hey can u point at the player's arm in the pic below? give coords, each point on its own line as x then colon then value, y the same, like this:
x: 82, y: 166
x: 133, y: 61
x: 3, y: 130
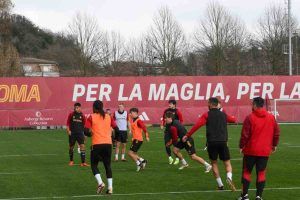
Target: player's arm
x: 128, y: 123
x: 201, y: 122
x: 88, y: 126
x: 276, y: 135
x: 141, y: 125
x: 246, y: 133
x: 180, y: 116
x: 174, y: 133
x: 163, y: 122
x: 69, y: 124
x: 230, y: 118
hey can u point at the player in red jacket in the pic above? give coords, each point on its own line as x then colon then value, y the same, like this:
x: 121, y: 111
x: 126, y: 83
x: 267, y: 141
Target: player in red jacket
x: 259, y: 138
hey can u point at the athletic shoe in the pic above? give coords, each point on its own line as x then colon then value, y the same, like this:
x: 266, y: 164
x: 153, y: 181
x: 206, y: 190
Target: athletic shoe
x: 143, y: 164
x: 171, y: 160
x: 220, y: 188
x: 124, y: 160
x: 116, y: 160
x: 139, y: 167
x: 84, y: 165
x: 183, y: 166
x: 71, y: 163
x: 176, y: 162
x: 245, y: 197
x: 258, y: 198
x: 208, y: 168
x: 231, y: 184
x: 109, y: 191
x: 100, y: 188
x: 78, y: 150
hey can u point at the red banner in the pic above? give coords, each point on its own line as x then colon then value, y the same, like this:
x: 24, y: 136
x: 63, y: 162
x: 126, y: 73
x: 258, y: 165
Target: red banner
x: 47, y: 101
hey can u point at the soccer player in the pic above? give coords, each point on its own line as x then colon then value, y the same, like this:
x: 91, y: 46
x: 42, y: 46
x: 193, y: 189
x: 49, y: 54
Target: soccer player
x: 122, y: 120
x: 167, y: 137
x: 99, y: 125
x: 108, y: 111
x: 75, y: 130
x: 259, y: 138
x: 137, y: 129
x: 217, y: 139
x: 177, y: 132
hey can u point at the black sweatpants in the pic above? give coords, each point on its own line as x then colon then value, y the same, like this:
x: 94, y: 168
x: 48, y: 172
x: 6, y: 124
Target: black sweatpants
x: 101, y: 153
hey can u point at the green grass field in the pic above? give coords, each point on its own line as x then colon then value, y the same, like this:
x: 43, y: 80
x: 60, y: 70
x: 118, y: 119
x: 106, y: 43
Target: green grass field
x: 34, y: 165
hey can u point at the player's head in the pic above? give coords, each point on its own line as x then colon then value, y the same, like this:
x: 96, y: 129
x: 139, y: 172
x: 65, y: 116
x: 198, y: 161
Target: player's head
x: 134, y: 112
x: 77, y: 107
x: 172, y: 104
x: 121, y: 107
x: 258, y: 102
x: 213, y: 102
x: 98, y: 107
x: 108, y: 111
x: 169, y: 116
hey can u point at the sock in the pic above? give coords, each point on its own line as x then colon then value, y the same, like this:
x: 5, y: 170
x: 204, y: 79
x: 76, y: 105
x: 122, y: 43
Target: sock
x: 123, y: 156
x: 138, y: 163
x: 110, y: 182
x: 219, y: 181
x: 116, y: 156
x: 98, y: 178
x: 177, y: 158
x: 141, y: 160
x: 229, y: 175
x: 82, y: 155
x: 260, y: 188
x: 206, y: 164
x: 183, y: 162
x: 71, y: 154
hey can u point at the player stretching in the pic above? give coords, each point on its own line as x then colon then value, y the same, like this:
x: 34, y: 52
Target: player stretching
x: 178, y: 131
x: 121, y: 118
x: 99, y: 126
x: 75, y: 130
x: 137, y: 129
x: 167, y: 137
x: 217, y: 138
x: 259, y: 138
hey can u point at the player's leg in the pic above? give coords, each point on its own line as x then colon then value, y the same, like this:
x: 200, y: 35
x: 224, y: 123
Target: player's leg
x: 95, y: 158
x: 213, y: 156
x: 224, y: 154
x: 261, y: 166
x: 176, y: 151
x: 72, y: 142
x: 124, y: 142
x: 106, y: 155
x: 167, y: 138
x: 118, y: 143
x: 80, y: 141
x: 248, y: 164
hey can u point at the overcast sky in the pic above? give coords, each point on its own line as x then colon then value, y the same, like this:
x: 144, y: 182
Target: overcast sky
x: 133, y: 17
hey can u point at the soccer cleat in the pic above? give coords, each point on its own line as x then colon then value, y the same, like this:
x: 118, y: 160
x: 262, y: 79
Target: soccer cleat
x: 71, y: 163
x: 171, y: 160
x: 78, y: 150
x: 245, y: 197
x: 100, y: 188
x: 109, y: 191
x: 176, y: 162
x: 258, y: 198
x: 208, y: 168
x: 220, y: 188
x: 231, y: 184
x: 143, y: 164
x: 183, y: 166
x: 84, y: 165
x: 138, y: 167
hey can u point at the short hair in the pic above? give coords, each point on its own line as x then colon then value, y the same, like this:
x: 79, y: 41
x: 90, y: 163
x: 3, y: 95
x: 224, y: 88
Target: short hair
x: 134, y: 110
x: 169, y: 114
x: 77, y: 104
x: 107, y: 109
x: 172, y: 102
x: 259, y: 102
x: 121, y: 104
x: 214, y: 101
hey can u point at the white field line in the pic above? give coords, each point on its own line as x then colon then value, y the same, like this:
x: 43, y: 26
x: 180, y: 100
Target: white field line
x: 143, y: 193
x: 27, y: 155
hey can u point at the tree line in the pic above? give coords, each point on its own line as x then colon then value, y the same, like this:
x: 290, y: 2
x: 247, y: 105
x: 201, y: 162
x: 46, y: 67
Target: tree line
x: 221, y: 44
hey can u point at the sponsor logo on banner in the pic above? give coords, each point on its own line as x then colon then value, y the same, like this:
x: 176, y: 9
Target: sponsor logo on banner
x: 38, y: 120
x: 144, y: 117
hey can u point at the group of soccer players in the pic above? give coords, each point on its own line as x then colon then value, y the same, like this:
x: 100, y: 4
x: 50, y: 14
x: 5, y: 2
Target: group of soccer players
x: 101, y: 124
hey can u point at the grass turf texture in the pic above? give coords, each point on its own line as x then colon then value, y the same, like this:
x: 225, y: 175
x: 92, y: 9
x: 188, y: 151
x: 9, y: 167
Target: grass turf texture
x: 25, y: 172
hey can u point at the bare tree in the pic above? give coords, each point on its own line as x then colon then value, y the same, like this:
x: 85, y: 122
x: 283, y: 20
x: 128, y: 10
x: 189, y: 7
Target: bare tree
x: 166, y: 36
x: 217, y: 33
x: 272, y: 34
x: 88, y: 36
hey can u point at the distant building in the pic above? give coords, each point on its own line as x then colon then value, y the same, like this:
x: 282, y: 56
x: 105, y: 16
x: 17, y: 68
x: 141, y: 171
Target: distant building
x: 39, y: 67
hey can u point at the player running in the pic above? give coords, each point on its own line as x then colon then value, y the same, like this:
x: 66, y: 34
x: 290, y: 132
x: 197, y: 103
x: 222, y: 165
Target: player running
x: 121, y: 118
x: 178, y: 131
x: 137, y: 129
x: 217, y: 139
x: 75, y: 130
x: 167, y: 137
x: 259, y: 138
x: 99, y: 126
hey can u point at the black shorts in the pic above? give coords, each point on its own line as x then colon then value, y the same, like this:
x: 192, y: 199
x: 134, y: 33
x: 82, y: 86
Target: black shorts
x: 76, y: 137
x: 121, y: 136
x: 259, y: 161
x: 101, y: 152
x: 218, y: 149
x: 188, y: 145
x: 136, y: 145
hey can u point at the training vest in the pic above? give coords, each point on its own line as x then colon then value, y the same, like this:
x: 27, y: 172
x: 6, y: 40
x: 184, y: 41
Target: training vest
x: 137, y: 132
x: 181, y: 131
x: 77, y: 123
x: 121, y: 120
x: 101, y: 129
x: 216, y: 126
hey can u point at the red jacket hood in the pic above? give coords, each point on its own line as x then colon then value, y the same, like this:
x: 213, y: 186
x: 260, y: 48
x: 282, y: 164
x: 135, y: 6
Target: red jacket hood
x: 261, y: 112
